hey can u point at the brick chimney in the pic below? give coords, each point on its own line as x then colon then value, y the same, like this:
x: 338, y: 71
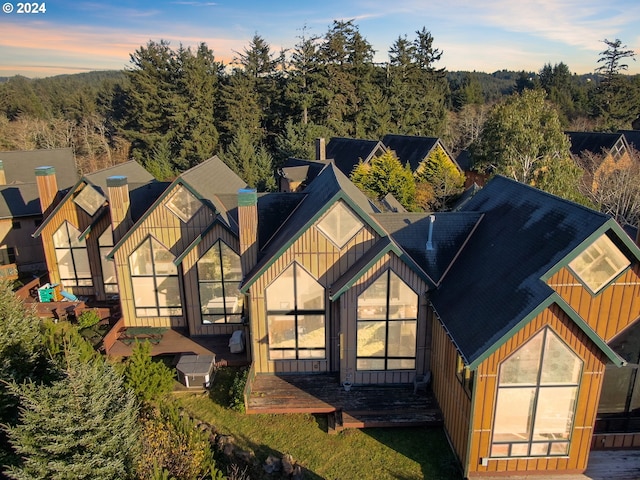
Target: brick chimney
x: 119, y: 205
x: 248, y: 222
x: 321, y: 149
x: 47, y: 187
x: 3, y: 177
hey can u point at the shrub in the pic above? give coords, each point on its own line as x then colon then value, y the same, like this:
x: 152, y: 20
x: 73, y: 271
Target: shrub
x: 149, y: 379
x: 88, y: 319
x: 236, y: 391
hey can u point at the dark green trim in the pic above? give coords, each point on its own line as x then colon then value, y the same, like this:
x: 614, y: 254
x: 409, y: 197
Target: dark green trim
x: 571, y: 313
x: 340, y: 195
x: 247, y: 197
x: 44, y: 171
x: 117, y: 181
x: 200, y: 238
x: 156, y: 203
x: 56, y: 209
x: 390, y: 247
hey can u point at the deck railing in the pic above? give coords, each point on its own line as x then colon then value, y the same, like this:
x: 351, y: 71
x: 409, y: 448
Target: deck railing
x: 112, y: 336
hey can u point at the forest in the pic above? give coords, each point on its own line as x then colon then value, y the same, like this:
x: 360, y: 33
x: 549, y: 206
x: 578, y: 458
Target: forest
x: 174, y: 107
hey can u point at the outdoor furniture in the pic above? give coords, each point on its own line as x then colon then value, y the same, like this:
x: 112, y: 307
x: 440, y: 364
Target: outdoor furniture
x: 194, y: 371
x: 421, y: 382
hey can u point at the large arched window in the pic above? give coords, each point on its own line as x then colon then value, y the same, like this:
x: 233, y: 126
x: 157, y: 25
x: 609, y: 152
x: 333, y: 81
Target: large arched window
x: 219, y: 275
x: 296, y: 316
x: 156, y: 289
x: 72, y: 257
x: 387, y: 322
x: 537, y: 394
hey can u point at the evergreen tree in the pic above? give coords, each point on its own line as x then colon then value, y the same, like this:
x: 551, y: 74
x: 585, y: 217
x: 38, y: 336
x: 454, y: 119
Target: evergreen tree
x: 385, y: 174
x: 442, y: 176
x: 82, y: 426
x: 147, y: 378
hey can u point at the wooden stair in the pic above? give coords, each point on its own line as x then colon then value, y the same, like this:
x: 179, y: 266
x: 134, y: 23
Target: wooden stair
x: 341, y: 420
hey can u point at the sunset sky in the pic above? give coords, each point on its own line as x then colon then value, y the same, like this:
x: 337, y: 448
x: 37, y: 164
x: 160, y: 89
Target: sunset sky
x: 482, y: 35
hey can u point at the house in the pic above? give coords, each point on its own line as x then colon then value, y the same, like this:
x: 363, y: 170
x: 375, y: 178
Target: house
x: 77, y: 229
x: 414, y: 150
x: 517, y: 298
x: 610, y: 149
x: 346, y: 153
x: 20, y: 209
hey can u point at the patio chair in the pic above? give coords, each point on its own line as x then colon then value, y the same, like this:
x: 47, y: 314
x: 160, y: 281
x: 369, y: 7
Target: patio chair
x: 421, y: 382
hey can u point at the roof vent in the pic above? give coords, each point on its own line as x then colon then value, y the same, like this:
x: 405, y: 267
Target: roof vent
x: 432, y: 218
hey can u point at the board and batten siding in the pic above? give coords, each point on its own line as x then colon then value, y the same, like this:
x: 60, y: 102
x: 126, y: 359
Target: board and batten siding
x: 587, y: 404
x: 191, y: 304
x: 348, y: 330
x: 175, y: 235
x: 609, y: 312
x: 77, y: 217
x: 326, y: 263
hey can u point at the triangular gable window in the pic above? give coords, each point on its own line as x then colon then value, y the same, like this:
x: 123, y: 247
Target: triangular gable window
x: 183, y: 204
x: 599, y: 263
x: 340, y: 225
x: 90, y: 200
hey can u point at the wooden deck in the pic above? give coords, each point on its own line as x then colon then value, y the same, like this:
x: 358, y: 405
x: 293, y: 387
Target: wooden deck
x: 174, y: 342
x: 364, y: 406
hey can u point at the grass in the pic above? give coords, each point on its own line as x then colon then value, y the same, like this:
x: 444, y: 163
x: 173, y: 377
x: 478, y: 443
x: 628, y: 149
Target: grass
x: 376, y: 453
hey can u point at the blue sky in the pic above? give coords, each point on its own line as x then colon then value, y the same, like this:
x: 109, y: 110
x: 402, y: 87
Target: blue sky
x: 481, y: 35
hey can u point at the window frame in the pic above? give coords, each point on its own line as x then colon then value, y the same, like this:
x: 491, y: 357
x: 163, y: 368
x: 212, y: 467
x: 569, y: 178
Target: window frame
x: 332, y: 211
x: 82, y: 199
x: 224, y: 284
x: 291, y: 310
x: 387, y: 321
x: 110, y: 288
x: 76, y: 252
x: 185, y: 217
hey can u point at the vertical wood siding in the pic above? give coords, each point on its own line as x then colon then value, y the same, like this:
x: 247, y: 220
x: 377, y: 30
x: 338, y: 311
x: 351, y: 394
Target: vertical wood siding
x: 77, y: 217
x: 609, y: 312
x: 175, y: 235
x: 485, y: 397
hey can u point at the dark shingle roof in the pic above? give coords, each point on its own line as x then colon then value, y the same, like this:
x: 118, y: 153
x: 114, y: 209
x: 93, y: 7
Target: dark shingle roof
x: 135, y: 173
x: 312, y: 168
x: 410, y: 149
x: 594, y: 142
x: 496, y: 281
x: 19, y: 200
x: 633, y: 137
x: 411, y: 232
x: 212, y: 177
x: 347, y: 152
x: 273, y: 211
x: 142, y: 196
x: 19, y: 166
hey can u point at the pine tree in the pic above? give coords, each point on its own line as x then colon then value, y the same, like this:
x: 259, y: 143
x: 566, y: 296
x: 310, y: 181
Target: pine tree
x: 147, y: 378
x: 444, y: 178
x: 83, y: 426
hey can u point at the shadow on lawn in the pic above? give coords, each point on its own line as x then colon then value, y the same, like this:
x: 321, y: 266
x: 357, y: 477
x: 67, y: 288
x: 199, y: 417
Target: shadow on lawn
x: 426, y: 446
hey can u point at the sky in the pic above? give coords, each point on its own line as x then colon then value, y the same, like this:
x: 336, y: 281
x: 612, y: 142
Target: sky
x: 473, y: 35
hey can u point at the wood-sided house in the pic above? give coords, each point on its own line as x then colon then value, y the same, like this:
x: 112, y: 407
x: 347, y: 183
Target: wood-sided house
x: 77, y: 230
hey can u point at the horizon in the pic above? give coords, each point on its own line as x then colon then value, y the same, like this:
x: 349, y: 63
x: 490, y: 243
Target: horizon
x: 71, y: 37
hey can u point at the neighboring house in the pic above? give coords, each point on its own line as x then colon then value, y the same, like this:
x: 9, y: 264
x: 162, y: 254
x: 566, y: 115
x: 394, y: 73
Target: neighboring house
x: 632, y: 137
x: 296, y: 174
x: 346, y: 153
x: 77, y: 230
x: 20, y: 209
x: 611, y: 149
x: 415, y: 150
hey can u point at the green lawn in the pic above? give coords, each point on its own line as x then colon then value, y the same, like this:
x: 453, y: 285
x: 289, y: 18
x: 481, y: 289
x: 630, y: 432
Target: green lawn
x: 376, y: 454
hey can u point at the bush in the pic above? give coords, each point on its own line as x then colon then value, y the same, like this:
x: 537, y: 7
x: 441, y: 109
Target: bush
x: 236, y: 391
x: 88, y: 319
x: 149, y: 379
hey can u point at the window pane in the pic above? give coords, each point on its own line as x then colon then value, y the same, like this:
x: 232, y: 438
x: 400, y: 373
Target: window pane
x: 310, y: 294
x: 163, y: 259
x: 554, y: 413
x: 106, y: 239
x: 372, y: 303
x: 560, y: 364
x: 600, y: 263
x: 370, y: 364
x: 540, y: 449
x: 371, y: 339
x: 311, y: 331
x: 282, y: 333
x: 340, y: 224
x: 140, y: 260
x: 168, y: 291
x: 280, y: 294
x: 523, y: 365
x: 513, y: 424
x: 74, y: 233
x: 211, y: 299
x: 230, y: 263
x: 311, y: 354
x: 499, y: 450
x: 183, y: 204
x: 519, y: 449
x: 209, y: 267
x: 403, y: 302
x: 144, y: 291
x: 405, y: 364
x: 89, y: 199
x: 560, y: 448
x: 81, y: 260
x: 65, y: 264
x: 402, y: 339
x: 61, y: 237
x: 108, y: 267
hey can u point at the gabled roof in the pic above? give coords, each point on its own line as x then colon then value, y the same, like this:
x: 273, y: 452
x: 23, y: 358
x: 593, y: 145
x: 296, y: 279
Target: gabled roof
x: 294, y: 168
x: 348, y: 152
x: 328, y: 187
x: 141, y: 194
x: 594, y: 142
x: 496, y: 283
x: 411, y: 149
x: 19, y: 200
x: 633, y: 137
x: 450, y: 232
x: 213, y: 177
x: 20, y: 165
